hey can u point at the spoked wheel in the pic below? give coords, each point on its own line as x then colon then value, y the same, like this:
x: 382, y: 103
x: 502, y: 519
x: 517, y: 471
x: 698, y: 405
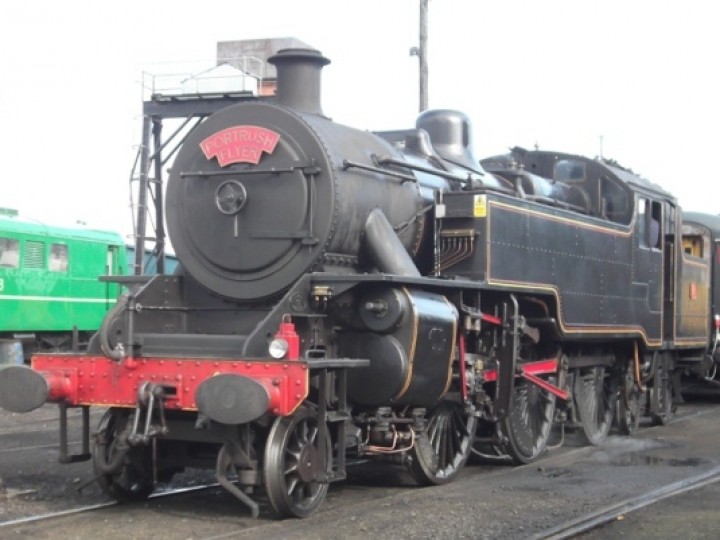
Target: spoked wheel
x: 529, y: 422
x: 124, y: 473
x: 594, y: 403
x: 442, y: 450
x: 295, y: 461
x: 629, y: 405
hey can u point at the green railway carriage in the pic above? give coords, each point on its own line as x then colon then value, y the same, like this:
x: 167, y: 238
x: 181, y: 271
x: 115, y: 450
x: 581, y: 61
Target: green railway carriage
x: 49, y: 281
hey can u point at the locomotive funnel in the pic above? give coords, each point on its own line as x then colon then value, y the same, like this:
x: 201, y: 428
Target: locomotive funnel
x: 298, y: 78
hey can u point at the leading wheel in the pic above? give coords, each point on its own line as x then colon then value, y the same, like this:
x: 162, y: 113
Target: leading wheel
x: 295, y: 465
x: 441, y: 451
x: 124, y: 473
x: 527, y: 427
x: 594, y: 399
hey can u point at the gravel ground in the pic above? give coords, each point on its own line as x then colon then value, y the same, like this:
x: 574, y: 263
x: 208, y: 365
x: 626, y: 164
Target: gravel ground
x: 691, y: 516
x: 486, y: 502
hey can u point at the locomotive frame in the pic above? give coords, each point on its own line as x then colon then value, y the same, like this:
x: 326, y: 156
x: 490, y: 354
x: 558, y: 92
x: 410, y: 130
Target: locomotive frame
x: 347, y: 295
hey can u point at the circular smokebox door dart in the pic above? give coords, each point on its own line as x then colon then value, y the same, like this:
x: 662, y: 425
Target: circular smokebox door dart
x: 230, y: 197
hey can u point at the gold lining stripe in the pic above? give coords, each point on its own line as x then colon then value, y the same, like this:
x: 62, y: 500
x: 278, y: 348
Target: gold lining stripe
x: 452, y: 348
x: 413, y: 345
x: 560, y: 219
x: 578, y: 329
x: 704, y: 265
x: 591, y: 329
x: 701, y: 265
x: 689, y: 341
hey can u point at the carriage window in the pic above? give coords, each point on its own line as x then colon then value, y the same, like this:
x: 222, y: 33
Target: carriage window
x: 58, y: 258
x: 9, y: 253
x: 693, y: 245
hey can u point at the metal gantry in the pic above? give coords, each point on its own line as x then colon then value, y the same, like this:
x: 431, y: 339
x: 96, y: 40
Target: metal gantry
x: 154, y: 154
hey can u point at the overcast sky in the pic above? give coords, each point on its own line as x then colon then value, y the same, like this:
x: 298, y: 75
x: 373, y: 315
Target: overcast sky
x: 641, y: 75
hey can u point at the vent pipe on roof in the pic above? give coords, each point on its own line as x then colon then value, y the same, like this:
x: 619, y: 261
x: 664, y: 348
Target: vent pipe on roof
x: 298, y: 78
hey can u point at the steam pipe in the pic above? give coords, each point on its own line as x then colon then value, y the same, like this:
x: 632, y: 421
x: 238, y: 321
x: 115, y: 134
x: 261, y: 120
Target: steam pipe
x: 385, y: 248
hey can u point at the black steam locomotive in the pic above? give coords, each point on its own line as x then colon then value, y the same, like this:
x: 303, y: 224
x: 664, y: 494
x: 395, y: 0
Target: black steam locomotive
x: 351, y: 295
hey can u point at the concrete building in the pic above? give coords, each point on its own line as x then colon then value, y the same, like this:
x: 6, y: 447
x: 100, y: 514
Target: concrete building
x: 250, y: 55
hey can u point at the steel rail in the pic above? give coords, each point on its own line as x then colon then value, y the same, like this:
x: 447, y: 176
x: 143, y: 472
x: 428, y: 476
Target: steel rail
x: 35, y: 447
x: 99, y: 506
x: 610, y: 513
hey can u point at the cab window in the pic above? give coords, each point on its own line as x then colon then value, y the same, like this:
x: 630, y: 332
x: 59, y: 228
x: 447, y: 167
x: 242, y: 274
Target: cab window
x: 649, y: 223
x: 569, y: 170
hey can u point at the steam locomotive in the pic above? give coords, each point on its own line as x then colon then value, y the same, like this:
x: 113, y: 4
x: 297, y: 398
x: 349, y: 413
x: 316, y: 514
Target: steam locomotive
x: 347, y: 295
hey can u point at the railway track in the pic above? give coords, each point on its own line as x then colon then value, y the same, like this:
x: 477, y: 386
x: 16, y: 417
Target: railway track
x: 495, y: 501
x: 610, y: 513
x: 570, y: 529
x: 99, y: 506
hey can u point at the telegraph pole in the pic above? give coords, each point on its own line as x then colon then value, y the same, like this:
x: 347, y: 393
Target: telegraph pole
x: 422, y: 55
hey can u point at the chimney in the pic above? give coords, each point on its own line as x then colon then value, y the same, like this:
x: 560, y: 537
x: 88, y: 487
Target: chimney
x: 298, y: 78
